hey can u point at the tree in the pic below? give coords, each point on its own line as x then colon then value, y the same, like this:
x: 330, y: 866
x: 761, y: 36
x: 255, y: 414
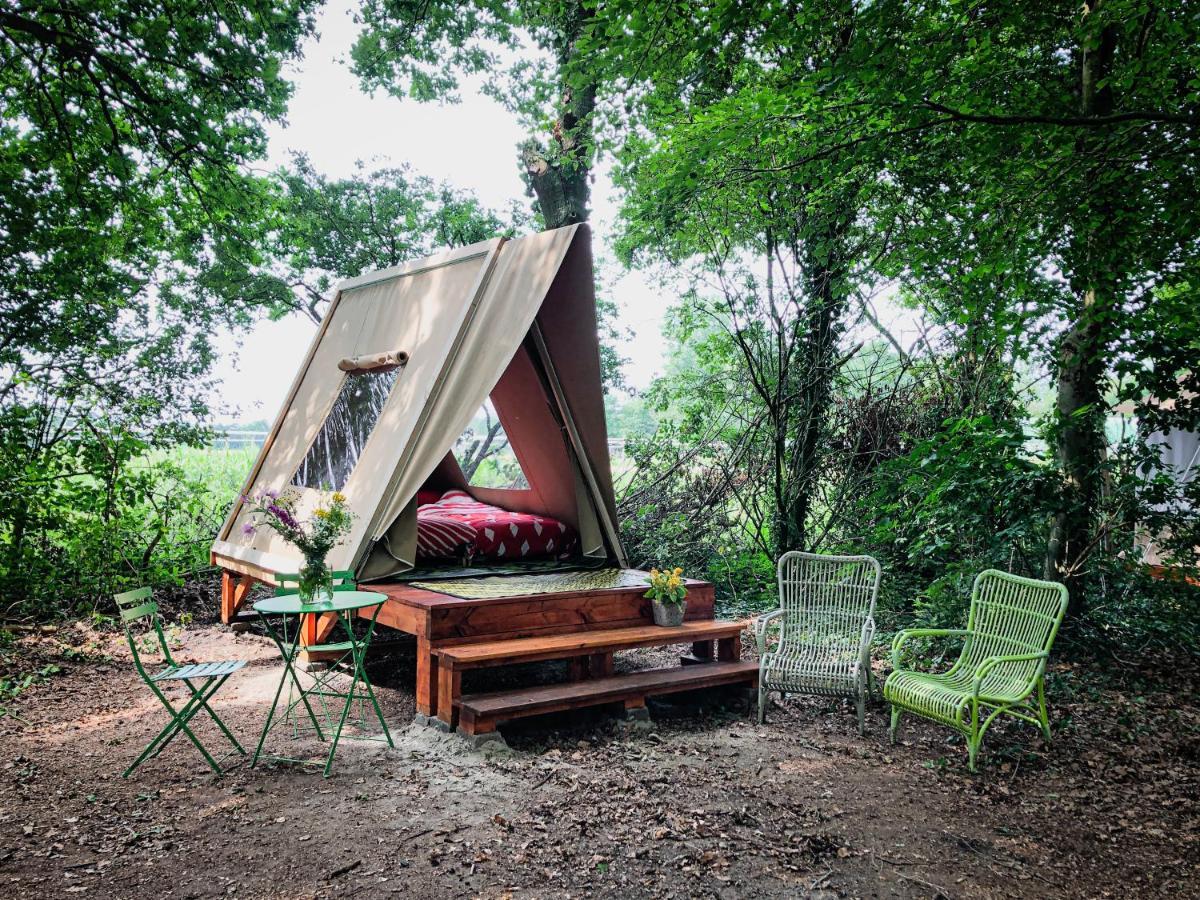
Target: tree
x: 126, y: 221
x: 422, y: 49
x: 331, y: 229
x: 1076, y: 130
x: 726, y: 108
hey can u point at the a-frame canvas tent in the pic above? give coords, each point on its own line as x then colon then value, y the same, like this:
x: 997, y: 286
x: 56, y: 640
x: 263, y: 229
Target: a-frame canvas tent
x: 433, y: 339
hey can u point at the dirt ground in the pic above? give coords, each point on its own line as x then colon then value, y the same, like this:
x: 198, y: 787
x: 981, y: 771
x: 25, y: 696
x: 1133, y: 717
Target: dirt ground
x: 706, y: 804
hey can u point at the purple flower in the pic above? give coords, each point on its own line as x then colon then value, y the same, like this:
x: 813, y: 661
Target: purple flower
x: 283, y: 516
x: 271, y: 493
x: 248, y: 528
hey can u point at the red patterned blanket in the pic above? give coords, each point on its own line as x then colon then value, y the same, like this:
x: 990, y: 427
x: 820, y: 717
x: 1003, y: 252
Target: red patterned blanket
x: 459, y: 526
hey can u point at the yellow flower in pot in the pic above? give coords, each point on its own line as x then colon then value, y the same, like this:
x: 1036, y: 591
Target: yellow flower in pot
x: 668, y: 596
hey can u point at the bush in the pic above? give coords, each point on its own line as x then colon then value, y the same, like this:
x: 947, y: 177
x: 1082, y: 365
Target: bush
x: 84, y: 521
x: 965, y: 499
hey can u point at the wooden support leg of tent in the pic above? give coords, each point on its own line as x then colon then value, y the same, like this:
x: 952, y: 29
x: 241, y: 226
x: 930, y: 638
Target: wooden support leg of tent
x: 427, y: 679
x: 235, y: 588
x: 315, y: 629
x: 449, y: 689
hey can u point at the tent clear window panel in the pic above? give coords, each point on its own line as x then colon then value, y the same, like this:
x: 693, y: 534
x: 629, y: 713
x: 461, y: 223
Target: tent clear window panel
x: 340, y: 442
x: 485, y: 455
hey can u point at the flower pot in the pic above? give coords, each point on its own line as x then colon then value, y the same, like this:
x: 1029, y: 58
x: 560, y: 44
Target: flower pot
x: 668, y: 615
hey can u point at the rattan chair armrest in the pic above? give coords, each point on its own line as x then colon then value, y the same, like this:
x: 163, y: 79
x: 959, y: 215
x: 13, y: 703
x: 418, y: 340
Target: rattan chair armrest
x: 760, y: 628
x: 991, y: 662
x: 900, y: 638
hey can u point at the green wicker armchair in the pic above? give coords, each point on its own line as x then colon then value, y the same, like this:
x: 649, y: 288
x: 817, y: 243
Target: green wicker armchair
x: 825, y: 619
x: 1009, y: 632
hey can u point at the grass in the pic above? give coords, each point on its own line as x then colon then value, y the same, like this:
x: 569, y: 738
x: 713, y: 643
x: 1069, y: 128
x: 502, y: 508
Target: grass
x: 220, y: 469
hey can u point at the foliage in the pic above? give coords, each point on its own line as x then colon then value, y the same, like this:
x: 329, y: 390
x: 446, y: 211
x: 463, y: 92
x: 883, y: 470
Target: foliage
x: 149, y: 519
x: 327, y: 229
x: 129, y: 234
x: 964, y: 499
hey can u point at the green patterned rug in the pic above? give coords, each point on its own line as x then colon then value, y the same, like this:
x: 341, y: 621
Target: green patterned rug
x: 519, y: 585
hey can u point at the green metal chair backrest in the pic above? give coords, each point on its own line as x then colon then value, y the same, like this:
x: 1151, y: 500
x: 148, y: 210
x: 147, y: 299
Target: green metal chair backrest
x: 136, y: 607
x: 1012, y: 616
x: 826, y: 599
x: 287, y: 583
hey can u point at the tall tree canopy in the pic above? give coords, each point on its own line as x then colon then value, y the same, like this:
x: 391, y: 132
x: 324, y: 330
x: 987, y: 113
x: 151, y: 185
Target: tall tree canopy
x: 128, y: 234
x: 1024, y: 169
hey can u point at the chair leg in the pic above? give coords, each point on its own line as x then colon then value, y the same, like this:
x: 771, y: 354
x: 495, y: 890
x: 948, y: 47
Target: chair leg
x: 975, y: 738
x: 973, y: 742
x: 1043, y: 717
x: 208, y: 709
x: 178, y: 723
x: 861, y: 702
x: 762, y: 703
x: 895, y: 726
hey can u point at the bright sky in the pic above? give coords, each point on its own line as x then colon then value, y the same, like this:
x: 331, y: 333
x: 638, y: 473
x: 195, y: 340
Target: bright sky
x: 473, y: 145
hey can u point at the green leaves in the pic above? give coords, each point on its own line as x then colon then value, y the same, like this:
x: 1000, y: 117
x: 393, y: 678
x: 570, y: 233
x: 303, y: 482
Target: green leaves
x: 325, y: 230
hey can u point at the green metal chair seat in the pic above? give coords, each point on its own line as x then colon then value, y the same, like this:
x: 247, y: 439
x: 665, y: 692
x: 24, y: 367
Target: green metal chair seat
x: 947, y: 697
x: 199, y: 670
x: 1010, y: 630
x: 334, y: 647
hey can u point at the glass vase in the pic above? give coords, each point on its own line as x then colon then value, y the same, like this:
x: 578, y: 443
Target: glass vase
x: 316, y: 581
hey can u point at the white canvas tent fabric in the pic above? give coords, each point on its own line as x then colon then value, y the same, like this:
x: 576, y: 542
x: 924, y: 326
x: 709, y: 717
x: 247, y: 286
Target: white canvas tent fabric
x: 463, y: 318
x: 1179, y: 456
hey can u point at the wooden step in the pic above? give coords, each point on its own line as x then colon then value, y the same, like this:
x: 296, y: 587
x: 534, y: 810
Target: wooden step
x: 480, y: 713
x: 562, y: 646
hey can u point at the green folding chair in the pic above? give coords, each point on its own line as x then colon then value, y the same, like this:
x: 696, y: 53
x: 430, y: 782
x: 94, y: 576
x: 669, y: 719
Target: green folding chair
x: 202, y: 680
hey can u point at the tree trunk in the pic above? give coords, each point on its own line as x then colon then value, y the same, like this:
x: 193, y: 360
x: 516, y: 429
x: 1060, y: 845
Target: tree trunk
x: 818, y: 367
x: 1080, y: 407
x: 558, y: 172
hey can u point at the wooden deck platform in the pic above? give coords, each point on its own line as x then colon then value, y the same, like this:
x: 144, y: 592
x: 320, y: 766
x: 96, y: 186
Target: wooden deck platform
x: 585, y: 626
x: 439, y: 620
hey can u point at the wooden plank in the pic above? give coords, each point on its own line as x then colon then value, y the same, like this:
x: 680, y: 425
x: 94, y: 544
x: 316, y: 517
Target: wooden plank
x: 235, y: 588
x: 585, y: 643
x: 698, y: 591
x: 577, y: 668
x: 449, y: 688
x: 729, y: 649
x: 427, y: 678
x: 549, y: 615
x: 503, y: 705
x: 314, y: 629
x: 600, y: 665
x: 403, y: 618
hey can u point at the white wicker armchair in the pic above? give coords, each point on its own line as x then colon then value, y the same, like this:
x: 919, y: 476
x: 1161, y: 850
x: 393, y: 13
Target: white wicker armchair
x: 826, y: 624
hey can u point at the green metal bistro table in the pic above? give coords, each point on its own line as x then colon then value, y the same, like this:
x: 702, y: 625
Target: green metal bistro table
x: 344, y: 605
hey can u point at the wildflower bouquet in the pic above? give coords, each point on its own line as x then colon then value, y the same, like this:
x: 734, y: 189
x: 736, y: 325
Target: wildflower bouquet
x: 330, y: 522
